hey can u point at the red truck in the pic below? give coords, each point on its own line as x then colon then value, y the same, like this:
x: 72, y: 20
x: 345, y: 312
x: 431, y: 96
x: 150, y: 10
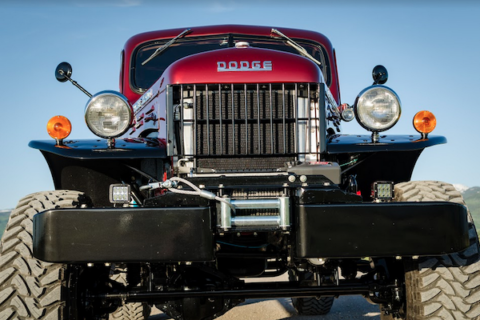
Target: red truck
x: 222, y: 158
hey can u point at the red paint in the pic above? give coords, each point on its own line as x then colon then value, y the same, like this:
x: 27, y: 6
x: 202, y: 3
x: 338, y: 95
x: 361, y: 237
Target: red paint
x: 194, y: 75
x: 203, y: 67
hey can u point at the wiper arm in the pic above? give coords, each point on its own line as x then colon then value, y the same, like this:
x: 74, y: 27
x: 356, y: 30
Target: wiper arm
x: 297, y: 47
x: 166, y: 45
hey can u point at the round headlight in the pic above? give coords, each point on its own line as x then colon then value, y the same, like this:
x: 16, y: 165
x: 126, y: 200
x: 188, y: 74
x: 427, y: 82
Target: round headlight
x: 377, y: 108
x: 108, y: 114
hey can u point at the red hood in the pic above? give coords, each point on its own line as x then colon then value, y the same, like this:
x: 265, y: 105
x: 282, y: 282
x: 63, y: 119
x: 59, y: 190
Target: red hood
x: 242, y: 65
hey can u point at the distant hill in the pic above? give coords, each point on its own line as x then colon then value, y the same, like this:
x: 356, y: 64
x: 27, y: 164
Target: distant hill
x: 4, y: 214
x: 472, y: 198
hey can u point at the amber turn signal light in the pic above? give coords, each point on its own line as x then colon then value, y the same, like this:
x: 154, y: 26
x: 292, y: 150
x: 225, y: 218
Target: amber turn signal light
x: 59, y: 127
x: 424, y: 122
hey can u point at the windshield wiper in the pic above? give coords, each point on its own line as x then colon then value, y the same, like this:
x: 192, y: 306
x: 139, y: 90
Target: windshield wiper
x: 166, y: 45
x: 297, y: 47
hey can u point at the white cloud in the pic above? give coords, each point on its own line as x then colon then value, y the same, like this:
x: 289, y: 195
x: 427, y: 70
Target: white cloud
x: 460, y: 187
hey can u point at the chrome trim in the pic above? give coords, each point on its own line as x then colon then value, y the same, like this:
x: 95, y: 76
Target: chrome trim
x: 143, y: 100
x: 223, y: 66
x: 302, y: 128
x: 256, y: 204
x: 225, y: 215
x: 323, y: 120
x: 331, y: 100
x: 284, y: 208
x: 261, y: 221
x: 170, y: 119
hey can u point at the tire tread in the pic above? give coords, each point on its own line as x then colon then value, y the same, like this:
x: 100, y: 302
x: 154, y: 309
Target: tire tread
x: 29, y: 288
x: 446, y: 287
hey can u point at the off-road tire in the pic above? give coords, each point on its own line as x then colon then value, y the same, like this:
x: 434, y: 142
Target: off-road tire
x: 30, y: 288
x: 312, y: 306
x: 446, y: 287
x: 131, y: 311
x: 128, y: 311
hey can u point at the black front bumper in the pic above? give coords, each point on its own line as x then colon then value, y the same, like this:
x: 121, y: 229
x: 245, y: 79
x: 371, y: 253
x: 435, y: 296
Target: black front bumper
x: 381, y: 229
x: 187, y: 234
x: 123, y: 235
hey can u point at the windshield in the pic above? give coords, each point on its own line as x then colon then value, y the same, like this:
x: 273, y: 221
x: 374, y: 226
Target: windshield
x: 143, y: 77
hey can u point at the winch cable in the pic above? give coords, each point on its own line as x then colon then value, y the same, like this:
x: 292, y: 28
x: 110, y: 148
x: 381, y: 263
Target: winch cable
x: 196, y: 190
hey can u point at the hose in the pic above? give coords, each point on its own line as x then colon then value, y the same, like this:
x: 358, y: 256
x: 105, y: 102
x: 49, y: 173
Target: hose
x: 197, y: 191
x: 202, y: 193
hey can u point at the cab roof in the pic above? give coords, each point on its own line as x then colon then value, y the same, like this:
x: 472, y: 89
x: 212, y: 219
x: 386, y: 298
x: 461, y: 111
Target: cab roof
x: 225, y: 29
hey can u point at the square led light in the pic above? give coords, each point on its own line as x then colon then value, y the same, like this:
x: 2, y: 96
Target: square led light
x: 382, y: 190
x: 119, y: 193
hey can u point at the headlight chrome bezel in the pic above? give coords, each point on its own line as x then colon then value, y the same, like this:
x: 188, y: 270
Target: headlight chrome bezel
x: 360, y: 116
x: 126, y: 104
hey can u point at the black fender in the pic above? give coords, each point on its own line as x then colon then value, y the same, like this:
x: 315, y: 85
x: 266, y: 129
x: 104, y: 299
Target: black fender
x: 137, y: 148
x: 363, y: 143
x: 90, y: 166
x: 393, y: 158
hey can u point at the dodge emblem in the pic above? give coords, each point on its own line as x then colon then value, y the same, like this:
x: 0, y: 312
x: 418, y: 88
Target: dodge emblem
x: 223, y: 66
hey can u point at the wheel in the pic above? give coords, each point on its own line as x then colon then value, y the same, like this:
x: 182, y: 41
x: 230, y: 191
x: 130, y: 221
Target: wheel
x: 30, y: 288
x: 34, y: 289
x: 128, y: 311
x: 312, y: 306
x: 446, y: 287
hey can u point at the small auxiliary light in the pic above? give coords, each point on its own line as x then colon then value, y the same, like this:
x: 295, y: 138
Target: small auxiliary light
x: 119, y: 193
x: 346, y: 112
x: 382, y: 190
x: 59, y: 127
x: 424, y: 122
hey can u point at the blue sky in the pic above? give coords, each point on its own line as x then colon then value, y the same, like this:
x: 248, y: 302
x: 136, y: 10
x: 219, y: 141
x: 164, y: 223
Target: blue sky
x: 431, y: 51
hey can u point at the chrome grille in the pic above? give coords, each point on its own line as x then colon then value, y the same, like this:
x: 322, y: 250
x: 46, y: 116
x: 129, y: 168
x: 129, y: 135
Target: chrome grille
x: 221, y: 122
